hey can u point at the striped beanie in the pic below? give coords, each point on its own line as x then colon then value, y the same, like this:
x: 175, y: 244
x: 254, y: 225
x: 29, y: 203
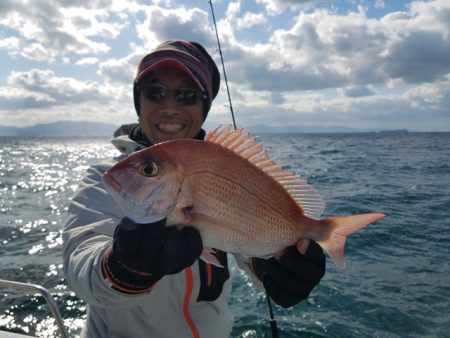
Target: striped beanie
x: 187, y: 56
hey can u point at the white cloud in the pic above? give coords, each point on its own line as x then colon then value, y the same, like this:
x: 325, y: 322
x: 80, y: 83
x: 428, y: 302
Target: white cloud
x: 40, y: 96
x: 180, y: 23
x: 379, y: 4
x: 233, y: 10
x: 250, y: 20
x: 274, y: 7
x: 85, y: 111
x: 357, y: 91
x: 46, y: 31
x: 10, y: 44
x: 20, y: 98
x: 87, y: 23
x: 327, y: 50
x: 243, y: 20
x: 311, y: 63
x: 120, y: 71
x: 430, y: 97
x: 43, y: 88
x: 87, y: 61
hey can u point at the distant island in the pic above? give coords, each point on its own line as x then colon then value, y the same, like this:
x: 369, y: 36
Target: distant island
x: 299, y: 129
x: 87, y: 128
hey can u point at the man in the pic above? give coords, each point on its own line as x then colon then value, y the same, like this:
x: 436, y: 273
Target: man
x: 146, y: 280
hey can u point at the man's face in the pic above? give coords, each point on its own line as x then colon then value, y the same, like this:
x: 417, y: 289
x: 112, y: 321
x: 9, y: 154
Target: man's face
x: 168, y: 119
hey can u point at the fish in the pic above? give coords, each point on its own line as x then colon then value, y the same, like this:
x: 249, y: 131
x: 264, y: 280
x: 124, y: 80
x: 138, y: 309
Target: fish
x: 229, y: 189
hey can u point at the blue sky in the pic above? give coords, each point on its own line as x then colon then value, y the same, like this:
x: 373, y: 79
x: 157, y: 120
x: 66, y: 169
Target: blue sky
x: 362, y: 64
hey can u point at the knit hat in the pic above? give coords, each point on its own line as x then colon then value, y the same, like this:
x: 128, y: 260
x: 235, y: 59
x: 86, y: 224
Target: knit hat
x: 187, y: 56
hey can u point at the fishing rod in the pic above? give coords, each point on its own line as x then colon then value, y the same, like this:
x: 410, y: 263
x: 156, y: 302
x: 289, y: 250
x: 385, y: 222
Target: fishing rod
x: 223, y: 64
x: 273, y: 322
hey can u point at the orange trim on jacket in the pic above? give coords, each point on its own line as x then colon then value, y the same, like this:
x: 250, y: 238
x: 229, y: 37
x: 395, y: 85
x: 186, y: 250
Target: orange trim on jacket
x: 187, y: 297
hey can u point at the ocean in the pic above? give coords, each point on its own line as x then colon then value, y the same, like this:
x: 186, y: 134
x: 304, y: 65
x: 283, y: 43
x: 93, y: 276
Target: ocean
x: 397, y: 279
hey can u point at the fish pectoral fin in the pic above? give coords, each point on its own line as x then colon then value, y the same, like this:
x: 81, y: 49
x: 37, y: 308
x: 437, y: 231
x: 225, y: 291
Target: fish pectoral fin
x: 208, y: 257
x: 180, y: 215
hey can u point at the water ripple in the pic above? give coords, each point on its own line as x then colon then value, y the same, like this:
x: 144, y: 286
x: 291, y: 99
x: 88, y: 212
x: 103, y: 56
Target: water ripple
x: 397, y: 279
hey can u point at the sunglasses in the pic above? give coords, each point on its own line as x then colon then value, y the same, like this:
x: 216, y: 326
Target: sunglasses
x: 159, y: 94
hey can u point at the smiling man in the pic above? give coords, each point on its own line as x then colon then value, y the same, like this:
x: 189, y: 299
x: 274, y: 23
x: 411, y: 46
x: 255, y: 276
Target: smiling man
x: 170, y: 106
x: 146, y: 280
x: 174, y: 89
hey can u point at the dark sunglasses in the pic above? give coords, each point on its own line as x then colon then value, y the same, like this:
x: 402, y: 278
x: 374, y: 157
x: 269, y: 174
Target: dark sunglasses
x: 159, y: 94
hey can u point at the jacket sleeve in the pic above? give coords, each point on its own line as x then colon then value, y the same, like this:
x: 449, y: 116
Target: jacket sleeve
x: 93, y: 216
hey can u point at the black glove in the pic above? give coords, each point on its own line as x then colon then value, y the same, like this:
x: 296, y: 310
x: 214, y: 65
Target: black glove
x: 291, y: 278
x: 142, y: 254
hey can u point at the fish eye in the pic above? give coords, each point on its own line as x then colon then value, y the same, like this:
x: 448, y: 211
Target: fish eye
x: 148, y: 169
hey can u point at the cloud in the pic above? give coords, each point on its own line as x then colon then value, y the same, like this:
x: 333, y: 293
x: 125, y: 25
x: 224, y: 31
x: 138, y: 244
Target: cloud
x: 424, y: 108
x: 421, y: 56
x: 358, y: 91
x: 45, y: 30
x: 165, y: 24
x: 120, y: 71
x: 379, y: 4
x: 18, y: 98
x: 83, y: 111
x: 310, y: 55
x: 87, y: 61
x: 274, y: 7
x: 324, y: 49
x: 308, y: 61
x: 42, y: 88
x: 433, y: 98
x: 251, y: 19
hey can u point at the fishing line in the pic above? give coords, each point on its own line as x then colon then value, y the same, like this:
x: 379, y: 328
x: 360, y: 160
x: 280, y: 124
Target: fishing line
x: 273, y: 322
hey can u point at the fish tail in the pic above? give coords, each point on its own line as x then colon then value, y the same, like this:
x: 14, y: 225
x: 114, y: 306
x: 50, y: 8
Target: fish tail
x: 338, y: 228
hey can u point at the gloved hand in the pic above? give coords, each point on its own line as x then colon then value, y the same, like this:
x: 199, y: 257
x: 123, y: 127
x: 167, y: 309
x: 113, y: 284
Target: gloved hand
x: 290, y: 279
x: 142, y: 254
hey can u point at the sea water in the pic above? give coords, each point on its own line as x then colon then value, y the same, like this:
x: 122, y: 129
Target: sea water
x: 397, y: 279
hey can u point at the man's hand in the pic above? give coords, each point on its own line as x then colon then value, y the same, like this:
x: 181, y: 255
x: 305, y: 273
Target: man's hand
x: 291, y: 277
x: 142, y: 254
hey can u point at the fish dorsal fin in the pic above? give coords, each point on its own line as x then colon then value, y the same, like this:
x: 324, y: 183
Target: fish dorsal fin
x: 246, y: 146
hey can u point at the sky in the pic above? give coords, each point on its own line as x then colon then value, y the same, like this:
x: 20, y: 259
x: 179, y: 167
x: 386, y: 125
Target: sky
x: 356, y: 63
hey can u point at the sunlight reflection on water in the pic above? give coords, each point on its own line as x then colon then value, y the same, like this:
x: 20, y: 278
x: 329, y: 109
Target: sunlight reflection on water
x: 38, y: 177
x: 391, y: 287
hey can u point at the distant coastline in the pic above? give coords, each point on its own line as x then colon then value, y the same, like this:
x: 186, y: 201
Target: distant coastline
x: 300, y: 129
x: 86, y: 128
x: 61, y: 128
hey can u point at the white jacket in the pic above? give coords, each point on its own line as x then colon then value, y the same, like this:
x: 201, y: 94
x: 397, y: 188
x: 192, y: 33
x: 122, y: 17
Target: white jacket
x: 170, y: 309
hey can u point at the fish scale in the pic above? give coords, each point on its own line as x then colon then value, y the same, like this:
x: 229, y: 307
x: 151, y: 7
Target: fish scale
x: 232, y: 192
x: 234, y: 203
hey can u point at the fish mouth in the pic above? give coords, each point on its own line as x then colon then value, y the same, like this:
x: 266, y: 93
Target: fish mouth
x: 111, y: 182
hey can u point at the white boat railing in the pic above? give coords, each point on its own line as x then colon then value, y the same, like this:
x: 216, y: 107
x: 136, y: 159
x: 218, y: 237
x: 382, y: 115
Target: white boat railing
x: 34, y: 288
x: 38, y: 289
